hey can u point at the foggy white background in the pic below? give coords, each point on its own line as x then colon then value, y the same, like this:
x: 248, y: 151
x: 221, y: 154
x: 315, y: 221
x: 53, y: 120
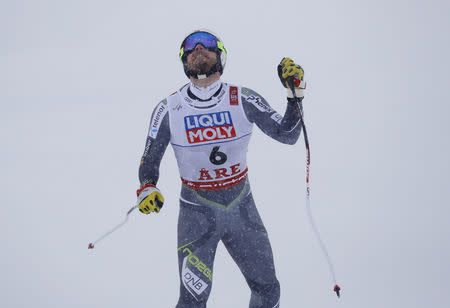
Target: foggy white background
x: 78, y: 83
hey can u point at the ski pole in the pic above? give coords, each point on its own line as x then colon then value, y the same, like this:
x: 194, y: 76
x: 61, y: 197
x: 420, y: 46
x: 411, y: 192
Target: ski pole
x: 92, y: 244
x: 299, y: 105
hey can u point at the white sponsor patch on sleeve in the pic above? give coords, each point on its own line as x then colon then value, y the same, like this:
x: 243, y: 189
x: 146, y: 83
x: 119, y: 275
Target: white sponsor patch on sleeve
x: 157, y: 118
x: 276, y: 117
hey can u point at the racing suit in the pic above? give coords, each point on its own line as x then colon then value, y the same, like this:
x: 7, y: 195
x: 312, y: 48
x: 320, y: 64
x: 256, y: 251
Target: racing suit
x: 209, y: 130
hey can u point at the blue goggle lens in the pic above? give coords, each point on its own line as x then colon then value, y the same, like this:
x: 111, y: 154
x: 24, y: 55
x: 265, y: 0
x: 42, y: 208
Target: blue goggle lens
x: 206, y: 39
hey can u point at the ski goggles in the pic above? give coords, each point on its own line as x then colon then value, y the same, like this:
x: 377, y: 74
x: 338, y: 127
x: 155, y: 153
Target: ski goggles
x: 208, y: 41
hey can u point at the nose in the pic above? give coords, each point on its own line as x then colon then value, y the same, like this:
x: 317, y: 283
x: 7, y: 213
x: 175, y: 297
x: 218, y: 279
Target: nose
x: 199, y: 46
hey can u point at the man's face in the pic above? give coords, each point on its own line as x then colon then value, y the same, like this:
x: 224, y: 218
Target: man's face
x: 201, y: 60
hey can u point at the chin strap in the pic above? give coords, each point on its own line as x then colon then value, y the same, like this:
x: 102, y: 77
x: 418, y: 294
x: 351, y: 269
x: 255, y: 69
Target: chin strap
x: 212, y: 71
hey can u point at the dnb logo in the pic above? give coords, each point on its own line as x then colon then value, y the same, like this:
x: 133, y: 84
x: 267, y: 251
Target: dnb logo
x: 209, y: 127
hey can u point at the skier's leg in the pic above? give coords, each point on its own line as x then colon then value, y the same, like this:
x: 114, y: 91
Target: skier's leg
x: 247, y: 242
x: 197, y: 242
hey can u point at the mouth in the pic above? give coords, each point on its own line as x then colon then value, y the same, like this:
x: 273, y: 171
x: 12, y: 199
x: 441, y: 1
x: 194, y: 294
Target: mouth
x: 199, y: 54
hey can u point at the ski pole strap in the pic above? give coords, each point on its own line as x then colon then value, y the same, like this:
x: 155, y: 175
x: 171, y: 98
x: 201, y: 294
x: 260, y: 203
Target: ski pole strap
x: 144, y: 187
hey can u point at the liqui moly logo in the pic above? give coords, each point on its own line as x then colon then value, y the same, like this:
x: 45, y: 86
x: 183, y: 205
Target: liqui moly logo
x: 209, y: 127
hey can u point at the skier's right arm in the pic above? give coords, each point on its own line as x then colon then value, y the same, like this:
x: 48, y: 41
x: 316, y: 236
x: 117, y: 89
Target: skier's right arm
x: 149, y: 197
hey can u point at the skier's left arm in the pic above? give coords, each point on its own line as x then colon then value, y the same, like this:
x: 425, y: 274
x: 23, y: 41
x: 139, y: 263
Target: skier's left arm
x: 285, y: 129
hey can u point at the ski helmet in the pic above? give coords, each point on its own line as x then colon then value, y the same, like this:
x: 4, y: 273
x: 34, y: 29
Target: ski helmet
x: 210, y: 42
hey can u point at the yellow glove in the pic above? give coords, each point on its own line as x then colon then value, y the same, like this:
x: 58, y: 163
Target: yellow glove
x: 291, y: 74
x: 149, y: 199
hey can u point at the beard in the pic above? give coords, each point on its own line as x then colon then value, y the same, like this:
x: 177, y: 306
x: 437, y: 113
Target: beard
x: 201, y: 63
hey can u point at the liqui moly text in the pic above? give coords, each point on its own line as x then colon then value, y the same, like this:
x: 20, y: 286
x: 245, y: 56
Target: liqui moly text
x: 209, y: 127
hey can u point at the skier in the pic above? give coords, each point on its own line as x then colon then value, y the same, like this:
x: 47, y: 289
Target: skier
x: 209, y: 123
